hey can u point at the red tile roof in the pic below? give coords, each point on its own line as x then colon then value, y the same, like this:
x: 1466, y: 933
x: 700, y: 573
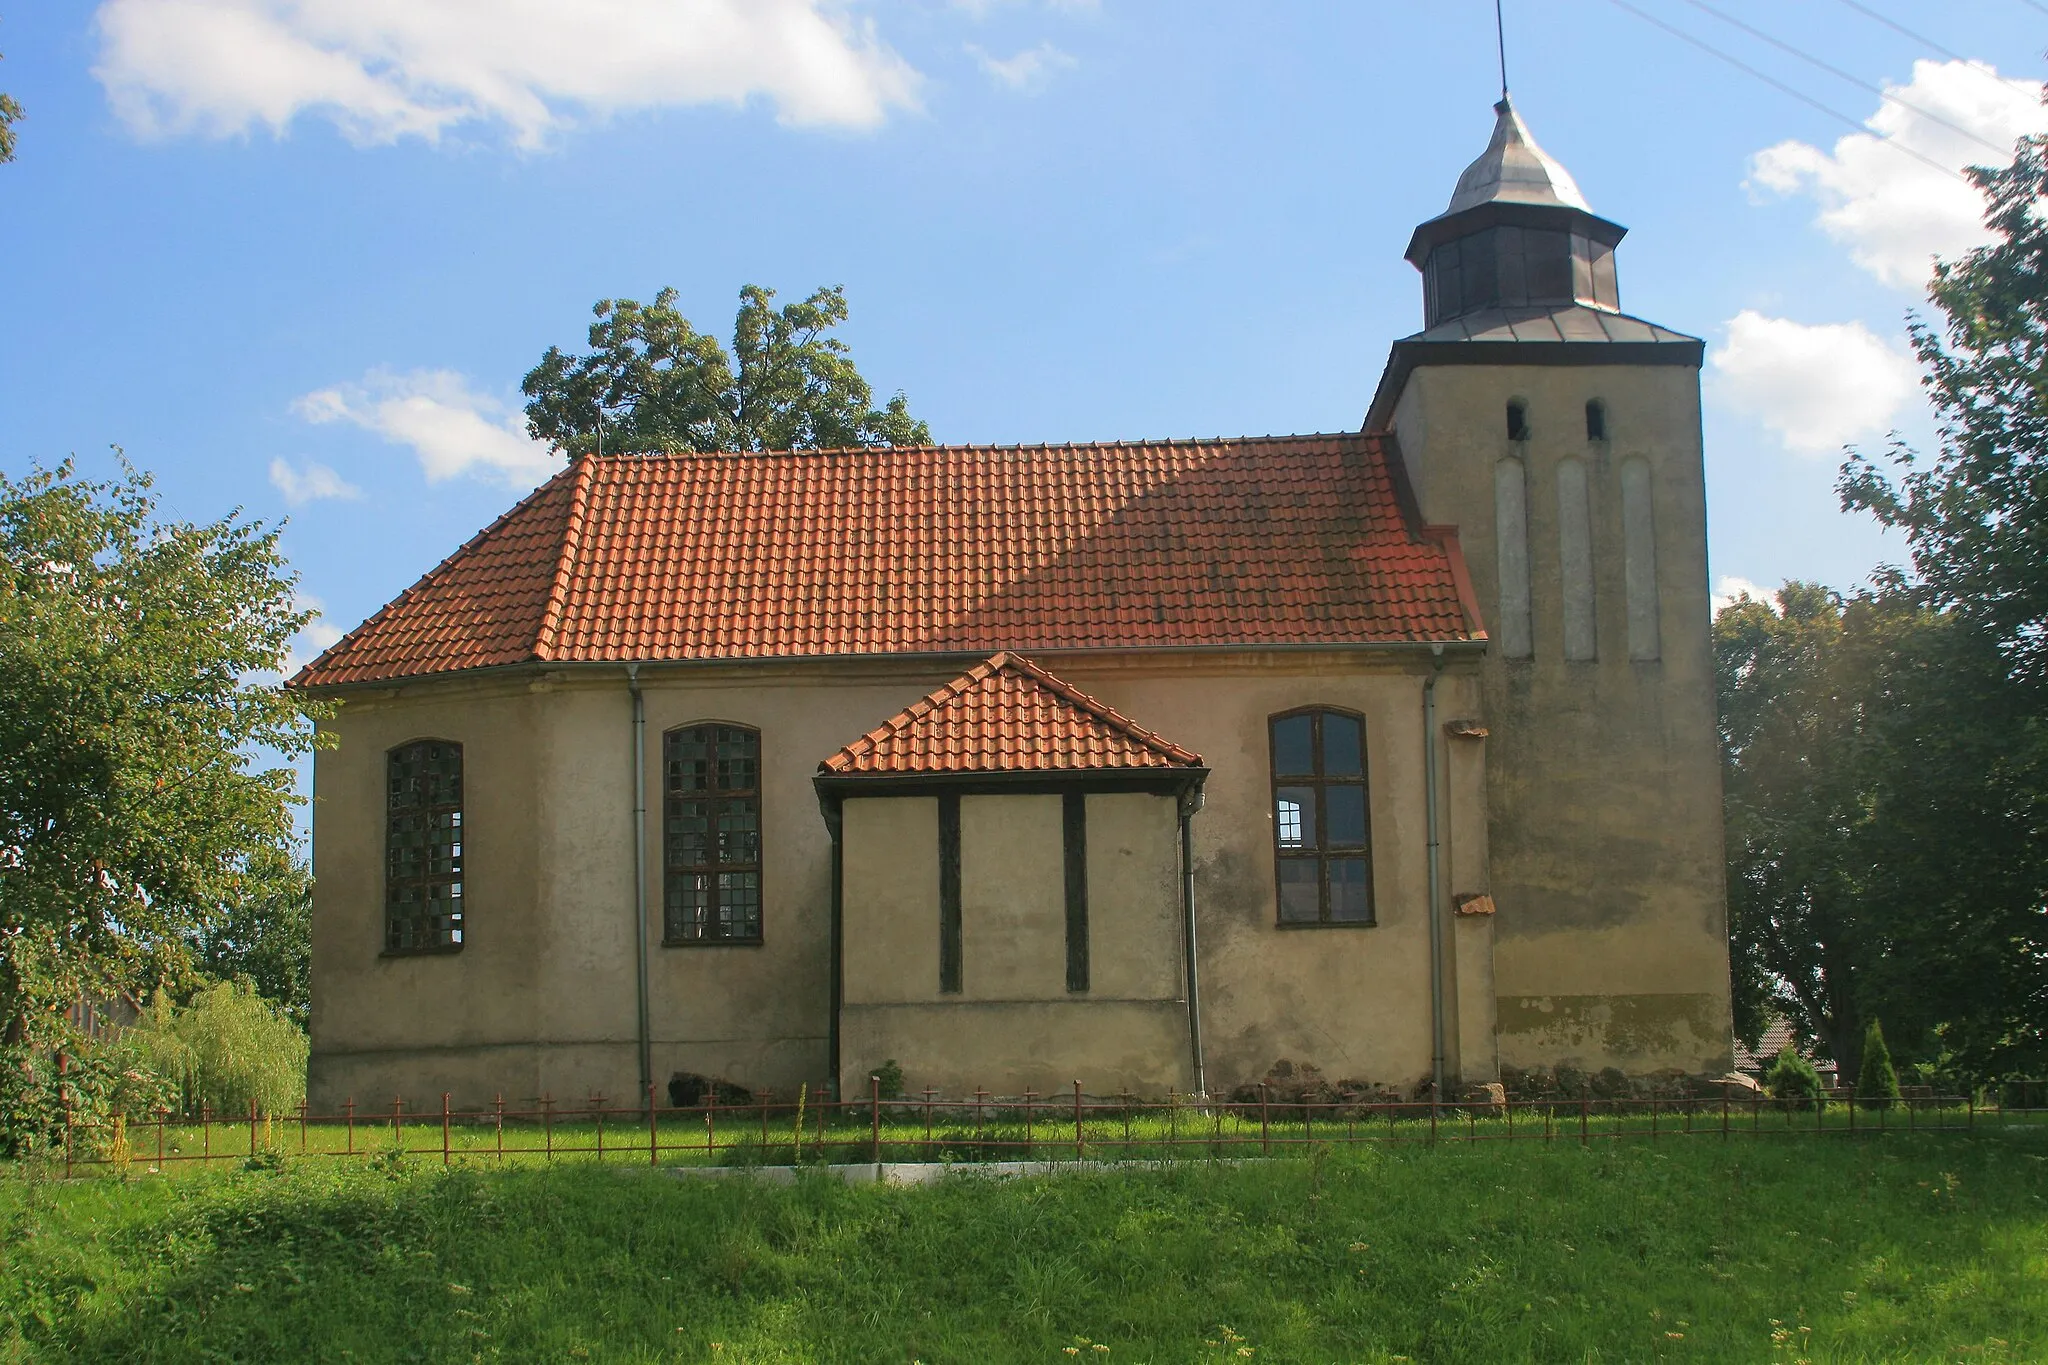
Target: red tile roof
x: 947, y: 549
x: 1006, y: 715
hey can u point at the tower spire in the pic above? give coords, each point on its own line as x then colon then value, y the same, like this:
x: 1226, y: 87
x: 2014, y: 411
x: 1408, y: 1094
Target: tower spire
x: 1500, y: 38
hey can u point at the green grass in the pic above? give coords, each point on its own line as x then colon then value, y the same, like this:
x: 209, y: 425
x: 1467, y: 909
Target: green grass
x: 1900, y: 1248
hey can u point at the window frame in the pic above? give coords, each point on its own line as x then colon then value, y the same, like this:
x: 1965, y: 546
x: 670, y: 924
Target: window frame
x: 1323, y: 853
x: 456, y: 876
x: 672, y: 870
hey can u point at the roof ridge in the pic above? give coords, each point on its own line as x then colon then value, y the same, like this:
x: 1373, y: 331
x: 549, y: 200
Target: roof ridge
x: 1120, y: 443
x: 572, y: 537
x: 429, y: 576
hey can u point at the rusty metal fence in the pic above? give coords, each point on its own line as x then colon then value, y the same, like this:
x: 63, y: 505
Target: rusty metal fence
x: 801, y: 1130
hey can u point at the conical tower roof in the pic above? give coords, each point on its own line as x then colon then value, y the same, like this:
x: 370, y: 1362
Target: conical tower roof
x: 1514, y: 170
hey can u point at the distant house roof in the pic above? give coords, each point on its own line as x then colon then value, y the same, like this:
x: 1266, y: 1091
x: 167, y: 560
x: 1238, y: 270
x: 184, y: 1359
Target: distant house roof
x: 1007, y: 715
x: 1291, y: 540
x: 1776, y: 1036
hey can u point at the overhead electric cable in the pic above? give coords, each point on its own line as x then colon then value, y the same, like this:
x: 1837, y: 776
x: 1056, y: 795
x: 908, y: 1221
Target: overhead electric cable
x: 1924, y: 41
x: 1779, y: 85
x: 2035, y: 4
x: 1850, y: 77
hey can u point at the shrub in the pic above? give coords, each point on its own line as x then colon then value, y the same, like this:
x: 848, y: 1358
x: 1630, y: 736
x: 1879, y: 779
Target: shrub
x: 1877, y: 1081
x: 890, y: 1075
x: 1792, y: 1080
x: 97, y: 1079
x: 226, y: 1047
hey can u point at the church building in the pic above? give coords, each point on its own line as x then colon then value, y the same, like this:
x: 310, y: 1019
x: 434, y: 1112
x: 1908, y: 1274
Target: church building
x: 1140, y: 763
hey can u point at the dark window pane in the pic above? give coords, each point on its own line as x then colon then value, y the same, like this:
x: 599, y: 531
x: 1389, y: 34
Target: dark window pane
x: 1482, y: 287
x: 1350, y: 894
x: 1341, y: 746
x: 1514, y: 280
x: 1294, y: 753
x: 1294, y: 817
x: 1298, y: 891
x: 1344, y: 815
x: 1549, y: 266
x: 423, y: 847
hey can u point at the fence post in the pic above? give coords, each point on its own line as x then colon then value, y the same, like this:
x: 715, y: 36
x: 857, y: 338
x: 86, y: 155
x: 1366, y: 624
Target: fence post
x: 927, y: 1123
x: 398, y: 1122
x: 875, y: 1118
x: 349, y: 1109
x: 1432, y: 1118
x: 498, y: 1113
x: 547, y: 1124
x: 252, y: 1125
x: 1852, y: 1116
x: 205, y: 1133
x: 1078, y: 1141
x: 653, y: 1129
x: 64, y: 1103
x: 444, y: 1129
x: 161, y: 1114
x: 1724, y: 1113
x: 1265, y: 1122
x: 302, y: 1127
x: 1972, y: 1100
x: 1030, y: 1124
x: 1585, y: 1110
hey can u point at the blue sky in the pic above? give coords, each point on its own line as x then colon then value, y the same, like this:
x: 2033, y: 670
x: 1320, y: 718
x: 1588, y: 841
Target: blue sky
x: 294, y: 255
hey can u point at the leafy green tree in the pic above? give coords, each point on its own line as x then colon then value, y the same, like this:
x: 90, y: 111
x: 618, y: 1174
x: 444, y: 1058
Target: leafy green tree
x: 1887, y: 822
x: 265, y: 938
x: 133, y: 656
x: 1976, y: 515
x: 663, y: 386
x: 1877, y: 1079
x: 1792, y: 1079
x: 10, y: 114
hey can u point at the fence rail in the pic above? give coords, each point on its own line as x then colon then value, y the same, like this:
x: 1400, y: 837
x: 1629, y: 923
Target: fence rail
x: 804, y: 1130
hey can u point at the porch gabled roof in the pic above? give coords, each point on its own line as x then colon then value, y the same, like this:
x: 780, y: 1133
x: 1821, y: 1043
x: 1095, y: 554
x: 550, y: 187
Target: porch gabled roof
x: 1007, y: 715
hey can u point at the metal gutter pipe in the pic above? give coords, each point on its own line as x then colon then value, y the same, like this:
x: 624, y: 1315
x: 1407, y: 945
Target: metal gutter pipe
x: 1436, y: 919
x: 1190, y: 803
x: 645, y: 1040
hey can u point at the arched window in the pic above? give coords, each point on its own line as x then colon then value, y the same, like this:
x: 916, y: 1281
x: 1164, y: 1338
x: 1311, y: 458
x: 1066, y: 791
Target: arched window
x: 1322, y: 824
x: 711, y: 821
x: 423, y: 848
x: 1518, y: 420
x: 1596, y: 420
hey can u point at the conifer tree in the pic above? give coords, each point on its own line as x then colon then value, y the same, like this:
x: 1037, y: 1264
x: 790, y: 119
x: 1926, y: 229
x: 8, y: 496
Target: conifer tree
x: 1878, y: 1080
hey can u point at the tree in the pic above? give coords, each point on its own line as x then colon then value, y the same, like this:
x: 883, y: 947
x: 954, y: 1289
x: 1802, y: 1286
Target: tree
x: 132, y: 817
x: 1887, y: 823
x: 664, y: 386
x: 1792, y: 1079
x: 10, y: 114
x: 1876, y: 1079
x: 1976, y: 515
x: 265, y: 938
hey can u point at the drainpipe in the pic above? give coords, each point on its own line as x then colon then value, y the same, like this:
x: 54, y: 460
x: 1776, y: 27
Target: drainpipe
x: 1191, y: 802
x: 640, y: 874
x: 1436, y: 919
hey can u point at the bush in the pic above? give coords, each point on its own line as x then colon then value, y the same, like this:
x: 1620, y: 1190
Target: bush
x: 97, y: 1080
x: 1877, y: 1081
x: 226, y: 1047
x: 1792, y: 1080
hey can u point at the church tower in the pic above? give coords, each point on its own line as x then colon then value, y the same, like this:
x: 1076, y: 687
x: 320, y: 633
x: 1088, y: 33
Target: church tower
x: 1561, y: 437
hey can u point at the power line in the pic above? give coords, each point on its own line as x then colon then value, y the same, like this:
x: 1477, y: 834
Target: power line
x: 1779, y: 85
x: 1853, y: 79
x: 2035, y: 4
x: 1924, y: 41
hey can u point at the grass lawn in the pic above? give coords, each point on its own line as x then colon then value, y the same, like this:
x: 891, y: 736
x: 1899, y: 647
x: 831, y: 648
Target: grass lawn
x: 1930, y: 1247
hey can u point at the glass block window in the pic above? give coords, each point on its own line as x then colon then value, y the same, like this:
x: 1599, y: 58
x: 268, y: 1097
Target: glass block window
x: 1322, y: 820
x: 711, y: 835
x: 423, y: 848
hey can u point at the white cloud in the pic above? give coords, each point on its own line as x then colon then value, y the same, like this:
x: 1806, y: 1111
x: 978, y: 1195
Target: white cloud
x: 1728, y: 588
x: 1029, y: 72
x: 316, y: 482
x: 453, y: 429
x: 382, y: 70
x: 1895, y: 213
x: 1818, y: 387
x: 318, y: 635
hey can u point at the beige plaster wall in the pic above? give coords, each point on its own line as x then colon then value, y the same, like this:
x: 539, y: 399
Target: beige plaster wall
x: 1603, y: 775
x: 542, y: 998
x: 1014, y: 1026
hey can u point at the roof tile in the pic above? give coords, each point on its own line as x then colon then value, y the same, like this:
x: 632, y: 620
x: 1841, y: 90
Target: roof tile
x: 935, y: 549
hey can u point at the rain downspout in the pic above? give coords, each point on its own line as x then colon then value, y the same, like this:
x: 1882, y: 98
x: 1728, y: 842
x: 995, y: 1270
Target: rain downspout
x: 645, y: 1041
x: 1436, y: 919
x: 1191, y: 802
